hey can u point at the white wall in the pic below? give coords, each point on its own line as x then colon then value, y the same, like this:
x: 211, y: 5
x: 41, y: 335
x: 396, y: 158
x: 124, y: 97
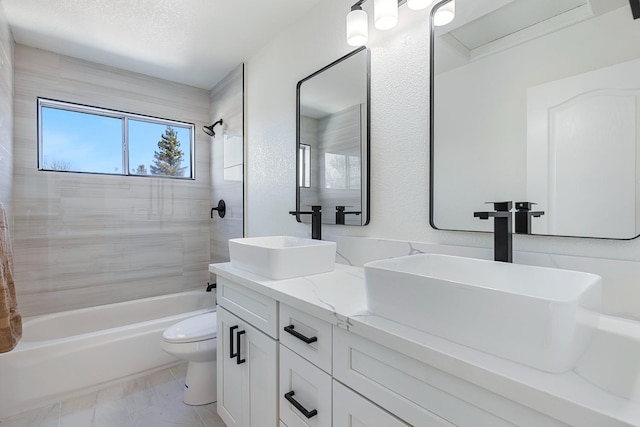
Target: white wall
x: 84, y: 240
x: 399, y: 135
x: 6, y: 112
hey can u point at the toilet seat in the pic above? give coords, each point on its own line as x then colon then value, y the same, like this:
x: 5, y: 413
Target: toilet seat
x: 194, y: 329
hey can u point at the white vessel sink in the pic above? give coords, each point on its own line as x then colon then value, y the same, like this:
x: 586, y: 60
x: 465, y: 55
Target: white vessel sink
x: 541, y: 317
x: 282, y: 257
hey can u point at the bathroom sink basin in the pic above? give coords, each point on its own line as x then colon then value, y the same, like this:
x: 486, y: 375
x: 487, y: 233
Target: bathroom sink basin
x: 541, y: 317
x: 282, y: 257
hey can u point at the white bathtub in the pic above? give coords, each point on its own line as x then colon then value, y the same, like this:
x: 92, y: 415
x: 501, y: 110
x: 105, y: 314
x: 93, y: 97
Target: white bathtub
x: 64, y: 353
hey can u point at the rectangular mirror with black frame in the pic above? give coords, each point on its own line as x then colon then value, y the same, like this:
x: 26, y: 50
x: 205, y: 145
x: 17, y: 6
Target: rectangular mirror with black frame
x: 333, y: 141
x: 537, y: 101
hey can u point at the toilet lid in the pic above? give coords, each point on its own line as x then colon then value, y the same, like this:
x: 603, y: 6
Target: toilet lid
x: 197, y: 328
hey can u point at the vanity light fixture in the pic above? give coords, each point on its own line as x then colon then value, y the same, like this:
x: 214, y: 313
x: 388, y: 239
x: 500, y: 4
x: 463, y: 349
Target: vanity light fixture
x: 445, y: 14
x: 385, y: 14
x: 418, y: 4
x: 357, y: 25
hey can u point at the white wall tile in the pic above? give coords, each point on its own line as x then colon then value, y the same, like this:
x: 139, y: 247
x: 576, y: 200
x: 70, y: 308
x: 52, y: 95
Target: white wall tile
x: 6, y: 113
x: 82, y: 240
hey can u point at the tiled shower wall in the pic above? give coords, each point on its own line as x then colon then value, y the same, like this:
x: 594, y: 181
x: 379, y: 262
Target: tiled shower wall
x: 83, y: 240
x: 6, y: 111
x: 227, y: 162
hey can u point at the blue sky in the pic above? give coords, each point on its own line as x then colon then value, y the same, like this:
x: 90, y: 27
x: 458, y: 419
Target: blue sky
x: 92, y: 143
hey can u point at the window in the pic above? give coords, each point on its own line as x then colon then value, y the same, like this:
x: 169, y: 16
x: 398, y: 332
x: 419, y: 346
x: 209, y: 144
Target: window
x: 304, y: 169
x: 78, y: 138
x: 341, y: 171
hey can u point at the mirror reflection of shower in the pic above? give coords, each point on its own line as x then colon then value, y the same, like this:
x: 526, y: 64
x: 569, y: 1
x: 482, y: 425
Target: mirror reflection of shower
x: 209, y: 129
x: 333, y: 141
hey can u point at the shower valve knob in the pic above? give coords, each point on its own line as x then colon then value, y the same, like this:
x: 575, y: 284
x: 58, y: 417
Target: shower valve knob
x: 221, y: 208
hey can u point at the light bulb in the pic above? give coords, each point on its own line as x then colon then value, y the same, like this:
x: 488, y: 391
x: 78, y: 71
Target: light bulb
x: 385, y: 13
x: 418, y: 4
x: 357, y: 28
x: 445, y: 14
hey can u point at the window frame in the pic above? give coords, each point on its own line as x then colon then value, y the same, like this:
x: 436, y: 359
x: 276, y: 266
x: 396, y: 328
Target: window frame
x: 117, y: 114
x: 348, y: 176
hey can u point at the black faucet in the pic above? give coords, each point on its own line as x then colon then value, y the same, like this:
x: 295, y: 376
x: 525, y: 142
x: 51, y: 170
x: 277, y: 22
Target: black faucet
x: 340, y: 214
x: 502, y: 234
x: 316, y: 220
x: 524, y: 215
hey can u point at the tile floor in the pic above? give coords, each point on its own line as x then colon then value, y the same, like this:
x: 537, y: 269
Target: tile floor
x: 154, y: 400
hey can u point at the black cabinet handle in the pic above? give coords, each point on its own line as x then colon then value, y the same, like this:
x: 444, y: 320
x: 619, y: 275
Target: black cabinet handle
x: 299, y: 407
x: 238, y: 335
x: 232, y: 354
x: 298, y: 335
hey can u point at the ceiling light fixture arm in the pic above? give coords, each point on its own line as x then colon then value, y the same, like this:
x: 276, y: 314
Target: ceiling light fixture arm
x: 358, y: 4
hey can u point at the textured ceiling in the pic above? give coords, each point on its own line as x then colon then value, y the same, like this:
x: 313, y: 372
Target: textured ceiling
x: 195, y: 42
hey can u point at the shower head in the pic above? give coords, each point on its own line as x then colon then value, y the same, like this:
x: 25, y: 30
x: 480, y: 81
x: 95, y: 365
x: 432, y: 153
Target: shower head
x: 209, y: 129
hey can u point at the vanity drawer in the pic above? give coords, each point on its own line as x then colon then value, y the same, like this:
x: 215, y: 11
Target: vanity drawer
x: 352, y: 410
x: 420, y: 394
x: 307, y: 387
x: 296, y: 328
x: 259, y: 310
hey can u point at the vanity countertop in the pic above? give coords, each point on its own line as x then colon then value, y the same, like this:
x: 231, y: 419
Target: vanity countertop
x: 339, y: 298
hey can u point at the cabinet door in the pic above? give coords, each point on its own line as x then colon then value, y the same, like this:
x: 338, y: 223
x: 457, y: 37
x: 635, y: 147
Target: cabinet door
x: 305, y: 392
x: 352, y: 410
x: 247, y: 380
x: 230, y: 387
x: 261, y: 378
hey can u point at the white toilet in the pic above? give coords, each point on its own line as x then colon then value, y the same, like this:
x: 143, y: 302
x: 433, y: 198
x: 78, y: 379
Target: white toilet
x: 194, y: 340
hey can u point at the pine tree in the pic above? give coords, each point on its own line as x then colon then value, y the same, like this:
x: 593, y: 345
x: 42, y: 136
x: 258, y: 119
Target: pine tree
x: 57, y: 165
x: 168, y: 158
x: 141, y: 170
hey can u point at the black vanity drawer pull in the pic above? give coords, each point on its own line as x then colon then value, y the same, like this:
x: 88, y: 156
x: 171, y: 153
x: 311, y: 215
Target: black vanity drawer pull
x: 232, y: 354
x: 238, y: 335
x: 299, y: 407
x: 298, y: 335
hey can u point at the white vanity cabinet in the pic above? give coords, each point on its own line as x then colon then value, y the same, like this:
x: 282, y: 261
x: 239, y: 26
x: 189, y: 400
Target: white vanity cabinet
x: 420, y: 394
x: 246, y: 357
x: 305, y: 392
x: 312, y: 336
x: 307, y: 336
x: 352, y: 410
x: 305, y: 369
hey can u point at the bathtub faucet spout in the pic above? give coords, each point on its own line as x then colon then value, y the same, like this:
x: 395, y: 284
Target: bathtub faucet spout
x: 211, y: 286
